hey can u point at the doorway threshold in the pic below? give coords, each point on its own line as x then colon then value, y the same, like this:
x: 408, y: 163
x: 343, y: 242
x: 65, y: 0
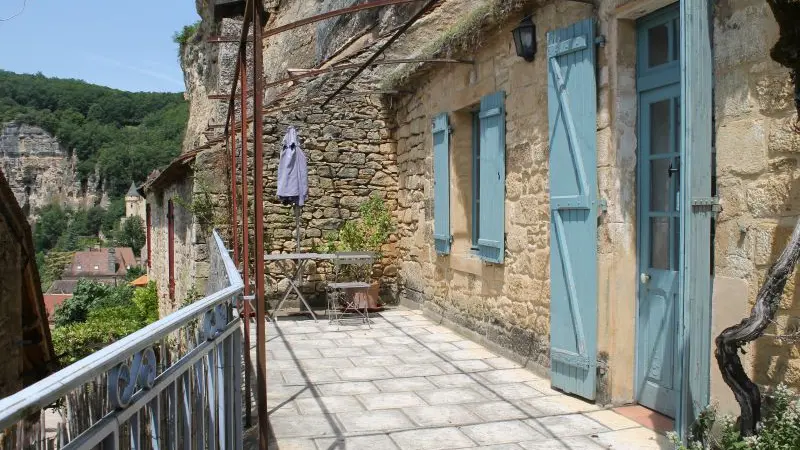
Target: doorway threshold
x: 648, y: 418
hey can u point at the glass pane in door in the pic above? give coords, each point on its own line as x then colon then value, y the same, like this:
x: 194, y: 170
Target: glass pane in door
x: 660, y: 127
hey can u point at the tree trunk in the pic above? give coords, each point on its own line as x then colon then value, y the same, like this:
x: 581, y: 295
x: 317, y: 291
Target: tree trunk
x: 732, y: 339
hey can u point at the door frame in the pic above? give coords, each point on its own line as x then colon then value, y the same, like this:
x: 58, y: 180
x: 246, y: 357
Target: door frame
x: 647, y: 81
x: 694, y: 318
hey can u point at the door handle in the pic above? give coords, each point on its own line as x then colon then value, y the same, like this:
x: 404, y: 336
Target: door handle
x: 644, y: 278
x: 672, y: 170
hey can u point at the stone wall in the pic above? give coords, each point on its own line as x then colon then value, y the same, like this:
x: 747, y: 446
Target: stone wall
x: 192, y: 235
x: 758, y: 179
x: 506, y: 304
x: 350, y: 157
x: 39, y: 171
x: 10, y: 310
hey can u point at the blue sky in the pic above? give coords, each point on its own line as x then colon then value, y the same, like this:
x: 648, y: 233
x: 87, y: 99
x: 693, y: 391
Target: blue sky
x: 122, y: 44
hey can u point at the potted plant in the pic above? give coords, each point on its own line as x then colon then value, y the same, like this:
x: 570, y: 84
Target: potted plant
x: 369, y: 232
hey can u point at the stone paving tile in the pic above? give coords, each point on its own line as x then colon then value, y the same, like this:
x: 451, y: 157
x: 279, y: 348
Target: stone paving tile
x: 328, y: 405
x: 500, y: 432
x: 291, y: 444
x: 498, y: 447
x: 375, y: 361
x: 559, y: 404
x: 410, y: 370
x: 390, y: 400
x: 375, y: 421
x: 465, y: 366
x: 441, y: 416
x: 453, y: 380
x: 343, y: 352
x: 407, y: 383
x: 370, y: 442
x: 439, y: 337
x: 502, y: 363
x: 431, y: 439
x: 326, y: 363
x: 363, y: 373
x: 568, y: 425
x: 634, y: 439
x: 499, y: 410
x: 316, y: 425
x: 404, y: 384
x: 508, y: 376
x: 348, y: 388
x: 514, y: 391
x: 422, y: 357
x: 469, y: 354
x: 568, y: 443
x: 451, y: 396
x: 296, y: 376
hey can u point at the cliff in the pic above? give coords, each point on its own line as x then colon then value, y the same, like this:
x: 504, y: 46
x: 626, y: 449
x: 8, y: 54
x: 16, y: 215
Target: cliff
x: 40, y: 171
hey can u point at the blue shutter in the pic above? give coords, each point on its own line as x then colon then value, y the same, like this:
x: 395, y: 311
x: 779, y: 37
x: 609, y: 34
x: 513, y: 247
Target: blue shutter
x: 492, y: 118
x: 441, y: 184
x: 696, y: 146
x: 572, y: 110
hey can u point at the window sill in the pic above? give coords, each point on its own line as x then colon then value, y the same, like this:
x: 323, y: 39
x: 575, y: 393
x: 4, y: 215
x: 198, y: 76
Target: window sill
x: 469, y: 263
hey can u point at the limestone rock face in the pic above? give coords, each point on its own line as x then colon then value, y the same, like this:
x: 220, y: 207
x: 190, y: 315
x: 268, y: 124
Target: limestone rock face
x: 40, y: 171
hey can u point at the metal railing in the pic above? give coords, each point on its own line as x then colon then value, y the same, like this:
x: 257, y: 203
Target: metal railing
x: 173, y: 384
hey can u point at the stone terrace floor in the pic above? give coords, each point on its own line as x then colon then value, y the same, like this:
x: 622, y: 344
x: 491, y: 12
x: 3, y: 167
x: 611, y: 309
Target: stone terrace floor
x: 410, y: 384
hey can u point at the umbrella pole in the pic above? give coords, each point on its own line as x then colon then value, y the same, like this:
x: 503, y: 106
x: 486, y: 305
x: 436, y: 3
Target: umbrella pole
x: 297, y: 225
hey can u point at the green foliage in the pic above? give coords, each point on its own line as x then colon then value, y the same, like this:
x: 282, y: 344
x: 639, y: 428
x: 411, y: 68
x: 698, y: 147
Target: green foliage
x: 367, y: 233
x: 131, y: 234
x: 201, y: 206
x: 51, y: 265
x: 98, y: 315
x: 135, y: 272
x: 115, y: 212
x: 124, y: 134
x: 51, y: 225
x: 146, y: 299
x: 187, y: 32
x: 90, y: 295
x: 67, y: 229
x: 778, y: 430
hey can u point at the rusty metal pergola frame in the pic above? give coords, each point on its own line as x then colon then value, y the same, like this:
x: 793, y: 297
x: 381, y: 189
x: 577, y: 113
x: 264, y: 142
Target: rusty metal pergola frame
x: 255, y: 15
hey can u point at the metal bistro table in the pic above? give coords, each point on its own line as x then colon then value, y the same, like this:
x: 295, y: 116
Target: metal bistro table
x: 296, y: 278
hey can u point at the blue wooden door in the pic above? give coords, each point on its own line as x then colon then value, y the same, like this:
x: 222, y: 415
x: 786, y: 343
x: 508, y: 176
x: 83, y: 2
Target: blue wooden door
x: 660, y: 243
x: 572, y: 115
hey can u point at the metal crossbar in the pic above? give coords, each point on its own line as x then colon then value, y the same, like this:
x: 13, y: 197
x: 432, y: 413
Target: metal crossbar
x: 175, y: 383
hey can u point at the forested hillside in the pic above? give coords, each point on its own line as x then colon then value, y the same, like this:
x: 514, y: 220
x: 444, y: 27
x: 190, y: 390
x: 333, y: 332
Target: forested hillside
x: 125, y: 134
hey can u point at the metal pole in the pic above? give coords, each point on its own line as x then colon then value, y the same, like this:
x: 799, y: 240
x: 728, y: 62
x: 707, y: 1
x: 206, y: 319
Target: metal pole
x: 258, y: 176
x: 297, y: 225
x: 234, y: 206
x: 248, y: 364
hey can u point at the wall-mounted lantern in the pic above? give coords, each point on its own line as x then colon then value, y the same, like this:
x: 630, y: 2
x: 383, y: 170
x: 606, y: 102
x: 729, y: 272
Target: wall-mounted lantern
x: 525, y: 39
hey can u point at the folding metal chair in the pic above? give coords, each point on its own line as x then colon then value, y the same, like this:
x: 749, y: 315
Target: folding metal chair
x: 351, y: 274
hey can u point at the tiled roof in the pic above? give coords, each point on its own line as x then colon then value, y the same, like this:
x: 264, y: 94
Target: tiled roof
x: 63, y: 287
x: 100, y: 263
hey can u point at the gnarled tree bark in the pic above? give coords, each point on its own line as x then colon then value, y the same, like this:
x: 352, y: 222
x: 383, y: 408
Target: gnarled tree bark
x: 786, y: 52
x: 732, y: 339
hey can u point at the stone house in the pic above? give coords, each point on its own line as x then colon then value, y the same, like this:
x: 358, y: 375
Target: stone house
x: 25, y: 341
x: 179, y: 217
x: 543, y: 205
x: 134, y: 203
x: 565, y: 211
x: 104, y: 265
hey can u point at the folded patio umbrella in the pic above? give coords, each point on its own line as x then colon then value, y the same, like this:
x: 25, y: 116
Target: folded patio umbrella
x: 292, y: 171
x: 293, y: 177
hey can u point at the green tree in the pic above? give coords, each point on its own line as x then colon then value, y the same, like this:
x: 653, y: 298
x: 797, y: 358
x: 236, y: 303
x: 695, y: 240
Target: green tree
x: 135, y: 272
x: 131, y: 234
x: 48, y: 229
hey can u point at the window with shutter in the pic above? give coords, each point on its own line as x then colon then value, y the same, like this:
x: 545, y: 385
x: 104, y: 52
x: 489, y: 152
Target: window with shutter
x: 441, y: 184
x: 492, y: 177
